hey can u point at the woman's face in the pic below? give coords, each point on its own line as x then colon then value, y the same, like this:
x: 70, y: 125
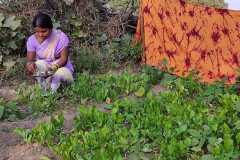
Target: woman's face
x: 42, y: 33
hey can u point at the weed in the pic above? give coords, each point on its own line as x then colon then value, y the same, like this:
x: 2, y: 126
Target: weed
x: 38, y: 100
x: 184, y: 122
x: 110, y: 86
x: 9, y: 111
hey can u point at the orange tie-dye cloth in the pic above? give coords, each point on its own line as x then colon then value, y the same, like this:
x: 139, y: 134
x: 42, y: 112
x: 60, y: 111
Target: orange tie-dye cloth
x: 190, y: 38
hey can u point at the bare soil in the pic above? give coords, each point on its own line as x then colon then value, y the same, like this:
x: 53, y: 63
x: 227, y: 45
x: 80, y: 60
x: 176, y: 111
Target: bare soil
x: 12, y: 146
x: 7, y: 93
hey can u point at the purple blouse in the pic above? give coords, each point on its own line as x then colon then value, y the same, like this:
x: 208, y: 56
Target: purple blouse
x: 62, y: 41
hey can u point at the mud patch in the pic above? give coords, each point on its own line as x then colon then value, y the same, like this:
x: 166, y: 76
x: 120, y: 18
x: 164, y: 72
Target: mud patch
x: 12, y: 146
x: 156, y: 89
x: 8, y: 94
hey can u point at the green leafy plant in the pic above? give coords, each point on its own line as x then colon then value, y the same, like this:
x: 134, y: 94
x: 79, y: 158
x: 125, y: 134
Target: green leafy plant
x: 87, y: 59
x: 11, y: 35
x: 43, y: 133
x: 124, y: 49
x: 9, y: 111
x: 190, y: 120
x: 155, y: 75
x: 39, y: 101
x: 110, y: 86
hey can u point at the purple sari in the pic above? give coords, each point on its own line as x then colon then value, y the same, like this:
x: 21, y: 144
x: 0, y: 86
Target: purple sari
x: 49, y: 50
x: 48, y: 53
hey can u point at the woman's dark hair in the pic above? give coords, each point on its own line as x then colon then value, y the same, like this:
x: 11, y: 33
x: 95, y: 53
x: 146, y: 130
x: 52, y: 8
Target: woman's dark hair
x: 42, y: 20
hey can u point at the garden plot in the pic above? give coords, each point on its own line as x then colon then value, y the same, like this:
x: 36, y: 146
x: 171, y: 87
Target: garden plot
x: 144, y: 115
x: 10, y: 142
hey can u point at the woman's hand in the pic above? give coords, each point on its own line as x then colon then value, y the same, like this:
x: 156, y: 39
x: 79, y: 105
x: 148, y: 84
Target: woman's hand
x: 31, y: 67
x: 54, y: 67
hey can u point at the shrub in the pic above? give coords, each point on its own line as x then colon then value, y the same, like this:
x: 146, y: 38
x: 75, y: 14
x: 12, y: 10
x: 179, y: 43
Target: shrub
x: 11, y: 36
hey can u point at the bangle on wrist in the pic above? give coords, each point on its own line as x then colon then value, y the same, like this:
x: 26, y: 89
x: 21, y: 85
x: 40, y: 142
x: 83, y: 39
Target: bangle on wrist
x: 55, y: 66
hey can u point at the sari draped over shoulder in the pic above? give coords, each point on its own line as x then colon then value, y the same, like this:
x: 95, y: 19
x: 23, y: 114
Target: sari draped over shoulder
x: 48, y: 53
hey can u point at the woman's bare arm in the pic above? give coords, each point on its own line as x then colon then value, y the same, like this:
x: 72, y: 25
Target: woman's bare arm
x: 31, y: 57
x: 63, y: 57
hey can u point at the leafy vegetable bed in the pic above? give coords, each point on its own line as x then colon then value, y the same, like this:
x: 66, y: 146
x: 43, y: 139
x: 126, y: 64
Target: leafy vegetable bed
x: 188, y: 121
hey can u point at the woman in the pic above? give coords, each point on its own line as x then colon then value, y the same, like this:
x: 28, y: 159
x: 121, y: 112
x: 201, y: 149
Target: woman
x: 47, y: 50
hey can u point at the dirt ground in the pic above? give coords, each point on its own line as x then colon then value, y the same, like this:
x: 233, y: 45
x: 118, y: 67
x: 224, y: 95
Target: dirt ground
x: 12, y: 146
